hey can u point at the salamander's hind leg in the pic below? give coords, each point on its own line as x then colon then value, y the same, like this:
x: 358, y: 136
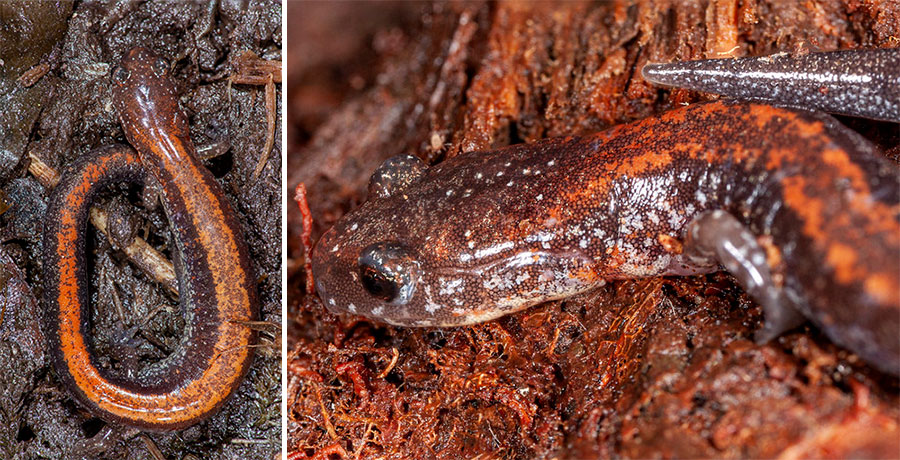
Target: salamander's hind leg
x: 718, y: 237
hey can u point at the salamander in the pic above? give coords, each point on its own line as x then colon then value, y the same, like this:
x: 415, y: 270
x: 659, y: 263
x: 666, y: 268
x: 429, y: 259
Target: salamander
x: 858, y: 82
x: 216, y: 283
x: 804, y: 212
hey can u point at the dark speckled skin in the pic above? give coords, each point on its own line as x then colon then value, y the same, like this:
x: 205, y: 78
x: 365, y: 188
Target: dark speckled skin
x: 217, y: 286
x: 862, y: 83
x: 489, y: 233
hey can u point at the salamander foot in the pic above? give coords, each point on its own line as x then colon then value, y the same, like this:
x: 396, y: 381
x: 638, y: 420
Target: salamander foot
x: 718, y: 237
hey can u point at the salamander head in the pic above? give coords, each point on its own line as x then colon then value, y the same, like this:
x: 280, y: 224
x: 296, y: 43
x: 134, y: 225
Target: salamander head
x: 362, y: 266
x: 433, y: 248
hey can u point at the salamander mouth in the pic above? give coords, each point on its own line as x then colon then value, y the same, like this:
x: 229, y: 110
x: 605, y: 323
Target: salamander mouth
x: 511, y: 260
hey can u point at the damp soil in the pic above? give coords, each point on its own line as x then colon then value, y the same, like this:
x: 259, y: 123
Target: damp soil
x: 655, y: 368
x: 55, y: 64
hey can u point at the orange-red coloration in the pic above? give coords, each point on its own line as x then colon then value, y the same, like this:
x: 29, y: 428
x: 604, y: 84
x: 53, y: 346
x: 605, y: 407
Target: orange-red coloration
x: 528, y: 223
x: 216, y: 283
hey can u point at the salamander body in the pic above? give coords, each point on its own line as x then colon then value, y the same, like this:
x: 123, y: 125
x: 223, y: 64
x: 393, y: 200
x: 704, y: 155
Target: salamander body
x: 802, y: 210
x: 860, y: 82
x: 217, y: 288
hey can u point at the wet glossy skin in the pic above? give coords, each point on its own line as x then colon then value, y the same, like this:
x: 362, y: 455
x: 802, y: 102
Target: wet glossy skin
x: 861, y: 82
x: 485, y: 234
x: 216, y: 284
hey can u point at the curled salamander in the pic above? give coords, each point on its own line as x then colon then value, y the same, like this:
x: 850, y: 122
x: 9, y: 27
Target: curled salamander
x: 217, y: 287
x: 800, y: 209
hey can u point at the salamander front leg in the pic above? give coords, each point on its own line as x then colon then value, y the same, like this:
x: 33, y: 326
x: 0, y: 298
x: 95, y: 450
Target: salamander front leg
x: 717, y: 237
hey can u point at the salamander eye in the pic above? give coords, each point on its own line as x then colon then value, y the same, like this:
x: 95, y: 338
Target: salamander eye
x: 160, y: 66
x: 120, y: 75
x: 388, y: 272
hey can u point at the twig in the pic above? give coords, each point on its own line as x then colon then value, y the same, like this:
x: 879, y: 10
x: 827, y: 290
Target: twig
x: 144, y: 256
x: 300, y: 198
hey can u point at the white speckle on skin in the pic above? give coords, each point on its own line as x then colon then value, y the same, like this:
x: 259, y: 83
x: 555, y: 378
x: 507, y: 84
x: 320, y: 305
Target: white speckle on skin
x: 354, y: 226
x: 675, y: 220
x: 335, y: 248
x: 470, y: 244
x: 539, y: 197
x: 540, y: 236
x: 509, y: 184
x: 377, y: 311
x: 551, y: 162
x: 449, y: 287
x: 479, y: 175
x: 449, y: 192
x: 701, y: 197
x: 758, y: 259
x: 468, y: 233
x: 491, y: 283
x: 496, y: 249
x: 499, y: 173
x: 432, y: 307
x: 331, y: 301
x: 640, y: 266
x: 352, y: 308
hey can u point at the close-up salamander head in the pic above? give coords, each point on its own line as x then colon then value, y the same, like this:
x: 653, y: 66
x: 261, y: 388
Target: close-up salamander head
x: 146, y: 100
x: 362, y: 265
x: 430, y: 247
